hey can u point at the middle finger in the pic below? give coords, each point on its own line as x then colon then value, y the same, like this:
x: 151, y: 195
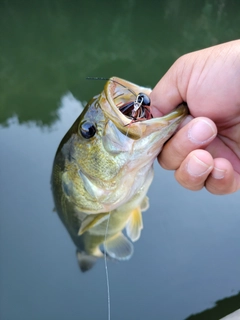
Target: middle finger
x: 196, y: 134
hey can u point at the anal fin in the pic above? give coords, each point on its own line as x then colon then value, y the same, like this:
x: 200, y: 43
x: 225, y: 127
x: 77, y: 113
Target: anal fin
x: 119, y: 247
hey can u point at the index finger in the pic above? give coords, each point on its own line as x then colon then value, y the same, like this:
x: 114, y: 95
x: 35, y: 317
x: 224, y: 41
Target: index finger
x: 197, y: 134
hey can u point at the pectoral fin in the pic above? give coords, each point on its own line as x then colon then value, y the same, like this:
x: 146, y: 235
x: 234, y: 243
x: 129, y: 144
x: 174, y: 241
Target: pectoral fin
x: 145, y: 204
x: 92, y: 221
x: 134, y: 225
x: 119, y: 247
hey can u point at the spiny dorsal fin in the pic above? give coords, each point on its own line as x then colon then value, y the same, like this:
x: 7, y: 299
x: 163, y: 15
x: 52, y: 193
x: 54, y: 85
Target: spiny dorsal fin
x: 135, y: 225
x: 119, y: 247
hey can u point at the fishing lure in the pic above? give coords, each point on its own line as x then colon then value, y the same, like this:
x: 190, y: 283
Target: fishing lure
x: 138, y: 109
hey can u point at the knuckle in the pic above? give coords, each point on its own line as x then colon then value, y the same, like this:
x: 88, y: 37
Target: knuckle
x: 167, y: 163
x: 190, y: 182
x: 220, y: 187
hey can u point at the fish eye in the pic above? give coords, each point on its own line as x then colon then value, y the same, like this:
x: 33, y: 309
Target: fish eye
x: 87, y: 129
x: 145, y: 99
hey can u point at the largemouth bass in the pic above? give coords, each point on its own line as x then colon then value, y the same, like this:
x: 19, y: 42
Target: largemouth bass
x: 103, y: 168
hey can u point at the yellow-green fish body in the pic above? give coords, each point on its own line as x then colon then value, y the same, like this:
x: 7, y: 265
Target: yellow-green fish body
x: 103, y: 169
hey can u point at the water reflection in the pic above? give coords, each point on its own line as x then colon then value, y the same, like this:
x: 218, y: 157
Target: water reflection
x: 49, y: 49
x: 222, y: 308
x: 183, y: 254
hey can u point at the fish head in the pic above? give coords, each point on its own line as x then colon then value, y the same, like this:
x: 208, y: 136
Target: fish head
x: 107, y: 155
x: 142, y: 138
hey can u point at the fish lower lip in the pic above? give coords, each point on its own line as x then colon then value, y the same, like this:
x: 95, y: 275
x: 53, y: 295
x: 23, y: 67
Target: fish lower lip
x: 179, y: 111
x: 145, y: 114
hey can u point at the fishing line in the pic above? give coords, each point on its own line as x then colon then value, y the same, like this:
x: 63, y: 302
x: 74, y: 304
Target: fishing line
x: 106, y: 271
x: 101, y: 78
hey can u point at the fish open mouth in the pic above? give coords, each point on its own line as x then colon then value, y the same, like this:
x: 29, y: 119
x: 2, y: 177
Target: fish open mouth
x: 127, y: 105
x: 136, y: 107
x: 130, y: 99
x: 136, y: 111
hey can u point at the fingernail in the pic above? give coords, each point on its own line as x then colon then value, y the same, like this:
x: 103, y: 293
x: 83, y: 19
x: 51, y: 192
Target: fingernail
x: 197, y: 167
x: 218, y: 173
x: 201, y: 132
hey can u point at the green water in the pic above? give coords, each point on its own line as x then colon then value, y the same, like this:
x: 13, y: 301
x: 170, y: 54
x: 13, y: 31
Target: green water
x: 188, y: 255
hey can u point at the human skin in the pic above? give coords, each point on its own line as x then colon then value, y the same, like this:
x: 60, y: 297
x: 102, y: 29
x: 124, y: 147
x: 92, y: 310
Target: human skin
x: 205, y: 152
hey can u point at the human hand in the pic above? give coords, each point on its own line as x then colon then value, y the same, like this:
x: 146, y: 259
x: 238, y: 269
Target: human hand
x: 206, y: 149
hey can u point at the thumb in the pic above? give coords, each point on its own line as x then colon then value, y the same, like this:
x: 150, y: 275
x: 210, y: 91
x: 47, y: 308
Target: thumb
x: 170, y: 91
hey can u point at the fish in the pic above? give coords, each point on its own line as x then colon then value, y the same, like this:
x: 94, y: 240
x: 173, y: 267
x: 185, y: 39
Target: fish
x: 103, y: 169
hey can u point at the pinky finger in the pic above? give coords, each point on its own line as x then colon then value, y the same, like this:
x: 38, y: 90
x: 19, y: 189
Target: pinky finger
x: 223, y: 179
